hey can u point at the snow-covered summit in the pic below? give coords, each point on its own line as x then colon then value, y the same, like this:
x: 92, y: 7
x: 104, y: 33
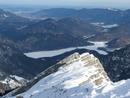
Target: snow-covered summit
x: 80, y: 76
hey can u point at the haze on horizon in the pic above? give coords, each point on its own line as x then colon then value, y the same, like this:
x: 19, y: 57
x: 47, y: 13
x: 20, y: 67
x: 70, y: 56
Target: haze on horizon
x: 70, y: 3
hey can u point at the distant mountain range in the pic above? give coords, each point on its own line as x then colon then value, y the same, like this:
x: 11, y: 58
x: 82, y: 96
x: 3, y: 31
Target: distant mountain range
x: 72, y: 28
x: 51, y: 34
x: 92, y: 15
x: 10, y: 22
x: 69, y: 23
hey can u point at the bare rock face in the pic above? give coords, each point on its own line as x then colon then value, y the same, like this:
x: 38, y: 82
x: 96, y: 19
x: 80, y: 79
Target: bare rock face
x: 96, y: 73
x: 4, y: 88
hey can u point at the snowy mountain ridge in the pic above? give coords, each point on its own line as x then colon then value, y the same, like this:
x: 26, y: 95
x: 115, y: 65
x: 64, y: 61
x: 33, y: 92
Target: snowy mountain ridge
x: 80, y: 76
x: 11, y: 82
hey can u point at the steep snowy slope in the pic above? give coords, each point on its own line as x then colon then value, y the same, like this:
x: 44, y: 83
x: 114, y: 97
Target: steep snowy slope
x: 80, y: 76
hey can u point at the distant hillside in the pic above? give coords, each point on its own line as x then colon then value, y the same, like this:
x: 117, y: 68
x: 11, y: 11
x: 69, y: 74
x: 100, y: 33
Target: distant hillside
x: 51, y: 34
x: 117, y: 64
x: 91, y: 15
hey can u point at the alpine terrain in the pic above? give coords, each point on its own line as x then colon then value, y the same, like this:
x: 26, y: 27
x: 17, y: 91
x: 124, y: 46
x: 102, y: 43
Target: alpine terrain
x: 77, y: 76
x: 67, y: 52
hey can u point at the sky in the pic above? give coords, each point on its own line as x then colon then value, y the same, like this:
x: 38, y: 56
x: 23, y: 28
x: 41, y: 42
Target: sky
x: 64, y: 3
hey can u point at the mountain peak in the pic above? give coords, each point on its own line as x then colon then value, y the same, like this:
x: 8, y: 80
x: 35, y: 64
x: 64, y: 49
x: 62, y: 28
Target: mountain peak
x: 94, y: 71
x: 77, y: 76
x: 76, y: 73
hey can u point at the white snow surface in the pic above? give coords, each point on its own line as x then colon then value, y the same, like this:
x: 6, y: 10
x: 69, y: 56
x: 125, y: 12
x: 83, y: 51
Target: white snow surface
x: 17, y: 77
x: 110, y: 26
x: 41, y: 54
x: 12, y: 83
x: 5, y: 15
x: 105, y: 26
x: 71, y: 82
x: 98, y: 23
x: 113, y: 9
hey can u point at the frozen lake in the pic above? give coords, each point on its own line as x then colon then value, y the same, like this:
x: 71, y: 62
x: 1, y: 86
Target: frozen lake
x: 41, y: 54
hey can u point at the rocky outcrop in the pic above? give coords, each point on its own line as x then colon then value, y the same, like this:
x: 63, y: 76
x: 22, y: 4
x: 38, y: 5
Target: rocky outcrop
x: 10, y: 83
x: 4, y: 88
x: 96, y: 73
